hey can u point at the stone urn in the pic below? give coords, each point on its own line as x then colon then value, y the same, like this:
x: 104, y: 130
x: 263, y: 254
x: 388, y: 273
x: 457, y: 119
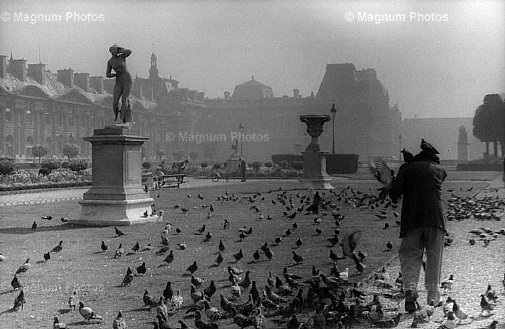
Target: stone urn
x: 315, y: 124
x: 314, y: 160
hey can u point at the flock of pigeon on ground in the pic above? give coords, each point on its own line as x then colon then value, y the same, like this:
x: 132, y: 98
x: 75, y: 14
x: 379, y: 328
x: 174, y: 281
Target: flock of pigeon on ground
x: 323, y: 298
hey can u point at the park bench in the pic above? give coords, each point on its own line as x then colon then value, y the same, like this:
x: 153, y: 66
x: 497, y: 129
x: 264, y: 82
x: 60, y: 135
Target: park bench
x: 173, y: 180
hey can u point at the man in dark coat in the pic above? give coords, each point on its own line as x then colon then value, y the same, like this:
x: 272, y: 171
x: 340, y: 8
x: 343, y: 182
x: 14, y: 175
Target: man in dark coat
x: 422, y: 222
x: 314, y: 207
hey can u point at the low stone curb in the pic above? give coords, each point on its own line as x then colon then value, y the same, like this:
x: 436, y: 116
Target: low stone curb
x: 33, y: 202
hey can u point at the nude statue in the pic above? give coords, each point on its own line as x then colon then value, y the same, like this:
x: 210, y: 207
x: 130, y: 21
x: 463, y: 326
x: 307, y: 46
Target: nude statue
x: 123, y: 82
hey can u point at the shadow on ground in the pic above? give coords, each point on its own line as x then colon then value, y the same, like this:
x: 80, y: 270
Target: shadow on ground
x: 29, y: 230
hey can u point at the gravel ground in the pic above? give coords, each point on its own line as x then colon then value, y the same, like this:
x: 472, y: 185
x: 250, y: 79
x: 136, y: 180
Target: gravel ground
x: 96, y: 275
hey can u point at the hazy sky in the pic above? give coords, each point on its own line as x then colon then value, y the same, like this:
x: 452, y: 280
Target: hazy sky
x: 437, y: 60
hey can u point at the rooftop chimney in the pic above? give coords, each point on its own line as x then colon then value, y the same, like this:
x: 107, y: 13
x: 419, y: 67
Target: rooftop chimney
x: 97, y: 84
x: 17, y: 67
x: 36, y: 71
x: 66, y: 77
x: 3, y: 66
x: 82, y: 80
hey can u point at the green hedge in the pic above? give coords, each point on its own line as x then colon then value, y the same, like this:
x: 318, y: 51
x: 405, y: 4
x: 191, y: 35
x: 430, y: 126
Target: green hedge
x: 341, y: 163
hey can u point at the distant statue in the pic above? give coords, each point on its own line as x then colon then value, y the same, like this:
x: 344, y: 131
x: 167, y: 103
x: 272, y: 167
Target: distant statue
x: 463, y: 135
x: 234, y: 146
x: 123, y: 83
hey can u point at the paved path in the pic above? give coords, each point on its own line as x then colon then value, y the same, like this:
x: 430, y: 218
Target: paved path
x: 69, y: 194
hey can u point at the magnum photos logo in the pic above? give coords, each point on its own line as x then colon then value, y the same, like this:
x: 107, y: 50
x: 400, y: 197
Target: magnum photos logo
x: 198, y: 138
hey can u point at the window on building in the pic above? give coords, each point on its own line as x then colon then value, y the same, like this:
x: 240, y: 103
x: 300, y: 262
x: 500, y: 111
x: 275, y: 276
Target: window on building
x: 71, y: 121
x: 8, y: 114
x: 61, y: 119
x: 29, y: 116
x: 47, y: 118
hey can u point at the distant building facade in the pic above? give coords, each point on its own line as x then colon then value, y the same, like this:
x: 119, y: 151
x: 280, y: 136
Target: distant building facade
x: 54, y: 108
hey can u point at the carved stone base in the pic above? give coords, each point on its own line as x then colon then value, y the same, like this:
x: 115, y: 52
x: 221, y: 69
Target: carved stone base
x: 117, y: 196
x: 314, y: 171
x: 116, y: 212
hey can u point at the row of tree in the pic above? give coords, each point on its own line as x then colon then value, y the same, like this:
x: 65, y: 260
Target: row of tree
x: 489, y: 123
x: 69, y: 150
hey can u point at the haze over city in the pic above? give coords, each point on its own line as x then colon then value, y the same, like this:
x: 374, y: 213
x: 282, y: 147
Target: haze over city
x: 437, y: 59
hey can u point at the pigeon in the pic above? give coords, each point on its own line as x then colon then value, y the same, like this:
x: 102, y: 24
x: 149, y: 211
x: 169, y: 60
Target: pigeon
x: 34, y: 225
x: 47, y: 256
x: 210, y: 290
x: 72, y: 300
x: 196, y: 281
x: 46, y: 217
x: 381, y: 171
x: 57, y: 324
x: 428, y: 148
x: 128, y: 278
x: 256, y: 255
x: 118, y: 232
x: 485, y: 305
x: 64, y: 219
x: 192, y: 268
x: 25, y: 267
x: 208, y: 236
x: 15, y: 284
x: 58, y: 248
x: 104, y: 247
x: 447, y: 285
x: 170, y: 257
x: 142, y: 269
x: 182, y: 245
x: 147, y: 299
x: 297, y: 258
x: 219, y: 259
x: 168, y: 292
x: 2, y: 257
x: 119, y: 252
x: 239, y: 255
x: 269, y: 253
x: 19, y: 301
x: 201, y: 229
x: 164, y: 240
x: 407, y: 156
x: 299, y: 242
x: 177, y: 300
x: 119, y: 321
x: 389, y: 246
x: 221, y: 246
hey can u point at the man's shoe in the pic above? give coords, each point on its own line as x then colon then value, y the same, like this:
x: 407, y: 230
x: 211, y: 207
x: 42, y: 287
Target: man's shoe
x: 410, y: 301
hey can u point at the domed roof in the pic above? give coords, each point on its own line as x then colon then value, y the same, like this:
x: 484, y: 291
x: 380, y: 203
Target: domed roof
x: 251, y: 90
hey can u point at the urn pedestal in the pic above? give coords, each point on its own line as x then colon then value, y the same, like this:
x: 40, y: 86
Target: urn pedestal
x: 117, y: 196
x: 314, y: 160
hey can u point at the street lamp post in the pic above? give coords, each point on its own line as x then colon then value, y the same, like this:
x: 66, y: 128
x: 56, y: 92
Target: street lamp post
x: 241, y: 130
x: 333, y: 111
x: 401, y: 154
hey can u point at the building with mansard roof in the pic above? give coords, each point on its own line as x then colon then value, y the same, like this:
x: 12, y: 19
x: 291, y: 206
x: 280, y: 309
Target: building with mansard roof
x: 38, y: 106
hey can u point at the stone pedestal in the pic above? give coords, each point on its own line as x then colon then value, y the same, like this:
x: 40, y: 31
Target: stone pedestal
x: 117, y: 196
x: 314, y: 160
x: 233, y: 164
x: 314, y: 171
